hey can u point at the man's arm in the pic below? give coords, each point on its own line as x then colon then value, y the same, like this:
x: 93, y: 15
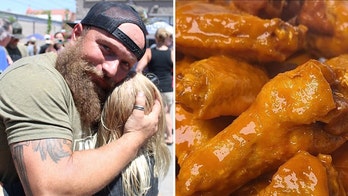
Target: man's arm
x: 9, y: 59
x: 49, y: 166
x: 172, y: 54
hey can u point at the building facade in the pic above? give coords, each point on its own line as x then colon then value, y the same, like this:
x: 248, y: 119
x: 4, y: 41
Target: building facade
x: 155, y: 10
x: 35, y: 22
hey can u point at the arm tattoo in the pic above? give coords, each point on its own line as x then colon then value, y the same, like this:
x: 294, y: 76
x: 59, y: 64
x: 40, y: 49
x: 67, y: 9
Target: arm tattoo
x: 54, y: 148
x: 17, y: 155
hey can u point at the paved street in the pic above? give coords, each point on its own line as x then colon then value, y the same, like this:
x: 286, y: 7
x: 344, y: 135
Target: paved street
x: 166, y: 187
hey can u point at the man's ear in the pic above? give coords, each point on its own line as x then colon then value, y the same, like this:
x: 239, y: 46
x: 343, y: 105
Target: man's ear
x: 77, y: 31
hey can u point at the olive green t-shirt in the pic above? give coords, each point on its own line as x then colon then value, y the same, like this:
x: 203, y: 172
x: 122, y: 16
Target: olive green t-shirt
x: 36, y: 103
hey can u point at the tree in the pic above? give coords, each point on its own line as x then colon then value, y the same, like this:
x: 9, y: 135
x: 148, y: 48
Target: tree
x: 49, y: 22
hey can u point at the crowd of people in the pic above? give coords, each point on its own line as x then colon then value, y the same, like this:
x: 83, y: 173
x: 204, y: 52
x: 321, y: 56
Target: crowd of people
x: 11, y: 43
x: 76, y: 118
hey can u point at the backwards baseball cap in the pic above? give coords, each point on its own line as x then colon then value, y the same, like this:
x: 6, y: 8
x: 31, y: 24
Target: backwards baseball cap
x: 109, y: 16
x: 17, y: 30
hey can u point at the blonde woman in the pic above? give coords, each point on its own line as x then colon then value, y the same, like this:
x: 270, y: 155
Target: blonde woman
x: 141, y: 176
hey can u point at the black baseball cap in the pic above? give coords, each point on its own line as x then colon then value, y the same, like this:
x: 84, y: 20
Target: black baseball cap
x: 17, y: 31
x: 109, y: 16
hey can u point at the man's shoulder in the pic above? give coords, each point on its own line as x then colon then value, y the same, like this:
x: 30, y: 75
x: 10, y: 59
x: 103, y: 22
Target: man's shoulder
x: 32, y: 66
x: 46, y: 60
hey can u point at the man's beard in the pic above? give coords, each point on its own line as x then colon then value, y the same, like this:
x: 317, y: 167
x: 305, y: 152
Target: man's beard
x: 88, y: 97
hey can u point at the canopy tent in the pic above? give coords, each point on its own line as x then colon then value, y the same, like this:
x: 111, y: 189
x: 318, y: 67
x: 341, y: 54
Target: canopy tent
x: 37, y: 36
x: 152, y: 28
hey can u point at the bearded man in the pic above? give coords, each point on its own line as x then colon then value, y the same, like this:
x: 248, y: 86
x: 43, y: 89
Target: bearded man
x: 50, y: 107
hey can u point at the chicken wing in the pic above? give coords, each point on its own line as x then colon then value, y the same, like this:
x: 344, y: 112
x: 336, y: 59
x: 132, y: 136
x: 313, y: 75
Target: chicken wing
x: 191, y: 133
x: 340, y: 161
x: 284, y: 9
x: 281, y: 121
x: 305, y: 174
x: 204, y: 30
x: 219, y: 86
x: 327, y: 27
x: 336, y: 122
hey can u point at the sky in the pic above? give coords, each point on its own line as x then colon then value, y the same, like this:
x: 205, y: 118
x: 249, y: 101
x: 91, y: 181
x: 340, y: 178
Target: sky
x: 20, y: 6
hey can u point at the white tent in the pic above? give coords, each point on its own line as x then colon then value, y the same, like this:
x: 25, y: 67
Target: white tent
x: 152, y: 28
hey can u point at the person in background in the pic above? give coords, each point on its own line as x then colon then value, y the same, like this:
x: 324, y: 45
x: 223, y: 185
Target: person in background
x: 159, y: 61
x: 141, y: 176
x: 15, y: 49
x: 169, y: 38
x: 59, y: 41
x: 31, y: 47
x: 5, y: 37
x: 48, y: 44
x: 51, y: 104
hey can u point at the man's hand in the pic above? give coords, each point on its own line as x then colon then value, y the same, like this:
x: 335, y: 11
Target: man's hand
x: 142, y: 126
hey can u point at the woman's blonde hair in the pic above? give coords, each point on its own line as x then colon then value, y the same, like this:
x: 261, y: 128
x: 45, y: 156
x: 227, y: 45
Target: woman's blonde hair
x: 161, y: 35
x: 118, y: 107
